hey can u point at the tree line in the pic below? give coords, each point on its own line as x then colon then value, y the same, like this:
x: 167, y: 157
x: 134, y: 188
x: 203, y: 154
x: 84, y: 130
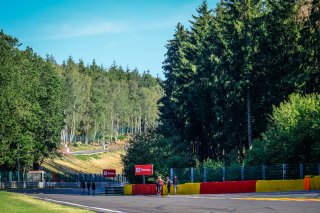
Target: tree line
x: 241, y: 87
x: 225, y: 73
x: 105, y: 103
x: 44, y: 104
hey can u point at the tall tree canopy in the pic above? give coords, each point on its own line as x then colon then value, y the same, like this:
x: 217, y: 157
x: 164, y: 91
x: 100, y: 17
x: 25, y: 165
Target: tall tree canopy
x: 44, y: 105
x: 236, y: 62
x: 31, y: 105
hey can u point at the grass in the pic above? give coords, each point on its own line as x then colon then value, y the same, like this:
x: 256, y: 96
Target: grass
x: 88, y: 157
x: 94, y: 163
x: 78, y: 146
x: 12, y: 203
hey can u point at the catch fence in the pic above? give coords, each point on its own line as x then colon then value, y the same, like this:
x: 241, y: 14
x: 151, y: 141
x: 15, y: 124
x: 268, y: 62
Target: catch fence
x: 11, y: 176
x: 238, y: 173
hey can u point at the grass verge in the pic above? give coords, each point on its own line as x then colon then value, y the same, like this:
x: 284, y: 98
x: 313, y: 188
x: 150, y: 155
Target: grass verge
x: 13, y: 202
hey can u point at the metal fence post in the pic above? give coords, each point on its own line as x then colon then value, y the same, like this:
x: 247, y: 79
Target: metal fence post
x: 283, y: 171
x: 301, y: 171
x: 242, y: 172
x: 223, y: 173
x: 10, y: 176
x: 192, y: 175
x: 263, y: 172
x: 171, y: 173
x: 204, y: 174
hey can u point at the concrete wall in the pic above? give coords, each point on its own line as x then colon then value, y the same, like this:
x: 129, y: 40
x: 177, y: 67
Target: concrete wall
x: 279, y: 185
x: 315, y: 183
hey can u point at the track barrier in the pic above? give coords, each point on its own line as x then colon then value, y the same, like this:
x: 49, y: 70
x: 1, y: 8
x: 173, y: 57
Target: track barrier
x: 315, y: 183
x: 279, y: 185
x: 128, y: 189
x: 144, y: 189
x: 188, y: 188
x: 227, y: 187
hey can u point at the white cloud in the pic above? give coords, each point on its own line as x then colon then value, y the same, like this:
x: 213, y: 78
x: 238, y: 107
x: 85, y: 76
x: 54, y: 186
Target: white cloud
x: 68, y: 30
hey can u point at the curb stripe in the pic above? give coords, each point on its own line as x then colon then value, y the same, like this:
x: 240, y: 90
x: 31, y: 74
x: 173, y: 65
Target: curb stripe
x: 79, y: 205
x: 279, y: 199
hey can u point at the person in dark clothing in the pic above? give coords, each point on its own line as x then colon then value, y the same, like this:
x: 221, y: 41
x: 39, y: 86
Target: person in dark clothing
x: 93, y: 186
x: 168, y: 182
x: 83, y: 185
x: 88, y: 186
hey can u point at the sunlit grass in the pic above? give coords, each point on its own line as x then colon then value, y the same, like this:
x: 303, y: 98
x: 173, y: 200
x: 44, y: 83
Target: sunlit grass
x: 13, y: 202
x: 81, y: 147
x: 88, y: 157
x: 94, y: 163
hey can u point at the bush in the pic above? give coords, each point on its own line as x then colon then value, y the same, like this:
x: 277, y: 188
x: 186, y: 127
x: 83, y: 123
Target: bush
x: 293, y: 134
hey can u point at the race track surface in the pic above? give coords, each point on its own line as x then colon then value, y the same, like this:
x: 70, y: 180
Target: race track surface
x: 300, y: 202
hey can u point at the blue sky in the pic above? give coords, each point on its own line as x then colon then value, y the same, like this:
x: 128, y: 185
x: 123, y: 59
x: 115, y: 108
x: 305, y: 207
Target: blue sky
x: 131, y: 32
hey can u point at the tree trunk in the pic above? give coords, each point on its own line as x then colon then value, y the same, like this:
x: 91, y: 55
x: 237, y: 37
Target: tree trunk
x: 112, y: 127
x: 87, y: 135
x: 95, y: 132
x: 73, y: 128
x: 249, y: 118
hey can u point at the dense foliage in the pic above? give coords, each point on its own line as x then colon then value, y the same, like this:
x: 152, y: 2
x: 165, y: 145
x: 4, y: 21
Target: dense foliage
x: 224, y: 74
x: 43, y: 104
x: 31, y: 106
x: 153, y: 148
x: 105, y: 103
x: 293, y: 133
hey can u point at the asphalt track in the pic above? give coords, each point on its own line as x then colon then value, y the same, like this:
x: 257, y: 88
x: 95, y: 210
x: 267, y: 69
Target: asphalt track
x: 291, y: 202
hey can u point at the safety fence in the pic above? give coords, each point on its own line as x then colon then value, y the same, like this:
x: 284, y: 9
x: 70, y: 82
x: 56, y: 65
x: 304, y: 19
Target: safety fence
x: 34, y: 185
x: 227, y: 187
x: 41, y: 176
x: 243, y: 173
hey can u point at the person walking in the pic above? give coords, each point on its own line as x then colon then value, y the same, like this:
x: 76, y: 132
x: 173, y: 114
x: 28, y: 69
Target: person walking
x: 93, y: 187
x: 175, y: 184
x: 159, y: 184
x: 168, y: 182
x: 83, y: 185
x: 88, y: 186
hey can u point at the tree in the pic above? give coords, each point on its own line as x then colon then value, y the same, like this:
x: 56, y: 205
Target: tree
x: 31, y: 106
x: 153, y: 148
x: 292, y: 135
x: 308, y: 75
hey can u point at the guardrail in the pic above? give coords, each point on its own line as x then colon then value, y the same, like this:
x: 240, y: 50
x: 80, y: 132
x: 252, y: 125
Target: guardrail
x: 32, y: 185
x: 48, y: 176
x: 229, y: 187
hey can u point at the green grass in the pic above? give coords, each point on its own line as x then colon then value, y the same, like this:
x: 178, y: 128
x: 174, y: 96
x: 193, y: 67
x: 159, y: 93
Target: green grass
x: 88, y: 157
x: 12, y: 203
x: 80, y: 147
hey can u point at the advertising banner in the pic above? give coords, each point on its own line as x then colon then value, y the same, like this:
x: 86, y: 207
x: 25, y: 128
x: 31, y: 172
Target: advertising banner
x: 146, y: 169
x: 109, y: 172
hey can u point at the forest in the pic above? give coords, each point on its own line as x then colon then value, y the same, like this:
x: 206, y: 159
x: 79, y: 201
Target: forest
x: 242, y: 86
x: 45, y: 105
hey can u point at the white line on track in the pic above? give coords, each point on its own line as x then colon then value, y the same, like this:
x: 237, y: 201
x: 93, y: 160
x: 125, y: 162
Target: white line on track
x: 79, y: 205
x: 207, y: 197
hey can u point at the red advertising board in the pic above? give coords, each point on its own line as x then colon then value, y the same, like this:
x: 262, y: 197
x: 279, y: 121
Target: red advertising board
x: 146, y: 169
x: 109, y: 172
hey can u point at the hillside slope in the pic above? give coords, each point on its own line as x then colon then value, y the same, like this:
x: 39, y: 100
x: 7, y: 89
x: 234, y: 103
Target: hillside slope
x: 88, y: 163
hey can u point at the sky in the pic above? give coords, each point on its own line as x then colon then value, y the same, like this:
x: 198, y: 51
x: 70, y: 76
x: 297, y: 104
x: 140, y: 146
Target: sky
x: 133, y: 33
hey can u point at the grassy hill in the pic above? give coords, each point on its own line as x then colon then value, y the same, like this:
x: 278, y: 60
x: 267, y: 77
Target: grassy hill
x: 88, y: 163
